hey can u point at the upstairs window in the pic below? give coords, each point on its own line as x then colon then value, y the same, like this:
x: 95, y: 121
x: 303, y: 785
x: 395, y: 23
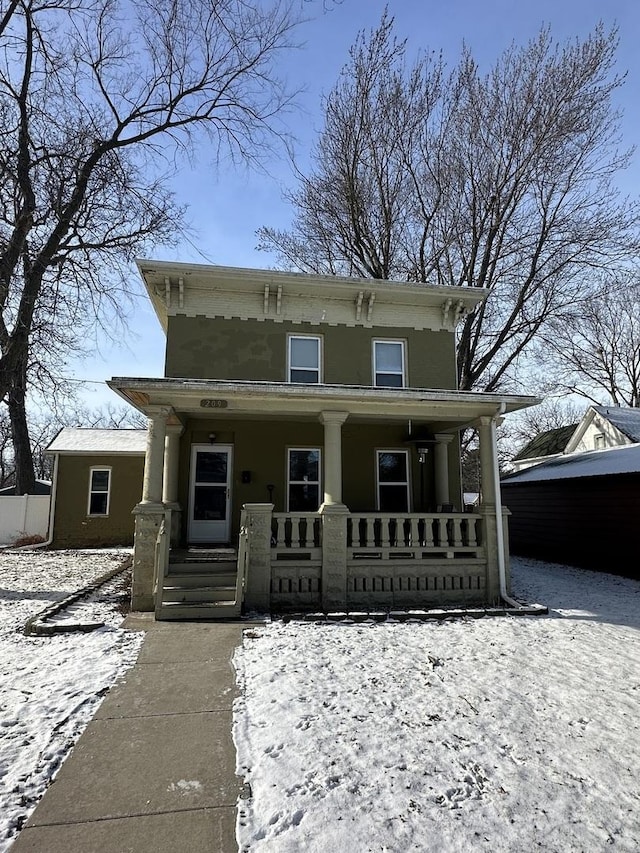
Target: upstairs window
x: 303, y: 479
x: 388, y: 364
x: 598, y: 441
x: 99, y: 491
x: 304, y: 359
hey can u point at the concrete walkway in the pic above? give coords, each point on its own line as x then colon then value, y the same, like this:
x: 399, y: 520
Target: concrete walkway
x: 155, y: 768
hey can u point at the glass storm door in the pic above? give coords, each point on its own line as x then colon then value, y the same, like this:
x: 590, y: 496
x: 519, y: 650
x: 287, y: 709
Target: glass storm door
x: 210, y: 493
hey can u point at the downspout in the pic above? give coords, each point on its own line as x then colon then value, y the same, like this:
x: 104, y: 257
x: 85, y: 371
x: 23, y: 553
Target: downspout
x: 502, y: 571
x: 52, y: 507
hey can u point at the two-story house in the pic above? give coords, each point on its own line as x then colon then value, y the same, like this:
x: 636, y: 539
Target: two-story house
x: 307, y: 431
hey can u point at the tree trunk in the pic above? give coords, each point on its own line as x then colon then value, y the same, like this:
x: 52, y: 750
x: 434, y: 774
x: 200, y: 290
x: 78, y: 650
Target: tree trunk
x: 25, y: 476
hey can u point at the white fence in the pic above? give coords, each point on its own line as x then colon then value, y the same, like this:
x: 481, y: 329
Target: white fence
x: 23, y: 515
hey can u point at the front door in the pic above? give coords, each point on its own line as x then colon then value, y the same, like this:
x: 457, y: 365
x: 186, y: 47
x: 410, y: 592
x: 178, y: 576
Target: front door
x: 210, y: 493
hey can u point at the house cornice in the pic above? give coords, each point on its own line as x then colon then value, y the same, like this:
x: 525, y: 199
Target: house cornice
x: 219, y: 291
x: 229, y: 399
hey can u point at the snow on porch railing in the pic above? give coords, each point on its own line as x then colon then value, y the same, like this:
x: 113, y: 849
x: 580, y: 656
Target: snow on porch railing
x: 413, y: 535
x: 296, y: 535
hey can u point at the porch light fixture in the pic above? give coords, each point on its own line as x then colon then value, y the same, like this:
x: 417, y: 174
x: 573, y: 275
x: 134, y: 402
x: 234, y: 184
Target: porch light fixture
x: 212, y: 437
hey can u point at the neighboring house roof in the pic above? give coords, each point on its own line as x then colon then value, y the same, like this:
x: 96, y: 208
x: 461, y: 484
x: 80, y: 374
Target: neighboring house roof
x: 42, y: 487
x: 626, y: 420
x: 89, y: 441
x: 547, y: 443
x: 591, y: 463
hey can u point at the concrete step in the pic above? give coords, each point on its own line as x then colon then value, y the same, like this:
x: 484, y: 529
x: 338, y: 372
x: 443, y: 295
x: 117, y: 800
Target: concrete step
x: 202, y: 594
x: 211, y: 579
x: 202, y: 566
x: 215, y: 610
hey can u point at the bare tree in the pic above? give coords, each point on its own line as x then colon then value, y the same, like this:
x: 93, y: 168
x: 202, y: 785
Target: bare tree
x: 97, y: 100
x: 44, y: 426
x: 503, y: 182
x: 594, y: 351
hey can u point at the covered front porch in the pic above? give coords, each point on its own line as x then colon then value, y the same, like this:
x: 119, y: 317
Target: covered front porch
x: 356, y: 554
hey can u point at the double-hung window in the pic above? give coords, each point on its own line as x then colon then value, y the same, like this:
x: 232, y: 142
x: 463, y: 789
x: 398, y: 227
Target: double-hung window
x: 389, y: 364
x: 303, y: 479
x: 304, y: 359
x: 392, y: 475
x: 99, y: 491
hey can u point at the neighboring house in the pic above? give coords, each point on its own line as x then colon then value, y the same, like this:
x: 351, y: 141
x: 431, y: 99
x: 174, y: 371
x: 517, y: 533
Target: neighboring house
x: 311, y: 425
x: 97, y: 482
x: 599, y: 428
x: 580, y: 508
x: 605, y: 426
x: 545, y: 446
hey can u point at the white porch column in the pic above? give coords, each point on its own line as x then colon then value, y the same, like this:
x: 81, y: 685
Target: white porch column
x: 441, y: 460
x: 487, y: 461
x: 487, y: 508
x: 149, y: 513
x: 171, y: 460
x: 170, y: 478
x: 154, y: 457
x: 332, y: 422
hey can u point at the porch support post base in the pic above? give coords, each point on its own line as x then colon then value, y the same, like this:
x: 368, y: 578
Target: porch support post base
x: 334, y: 556
x: 176, y: 522
x: 148, y: 518
x: 490, y: 538
x: 257, y: 593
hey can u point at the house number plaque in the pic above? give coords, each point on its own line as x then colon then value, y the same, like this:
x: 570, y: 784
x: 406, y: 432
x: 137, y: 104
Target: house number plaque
x: 214, y: 404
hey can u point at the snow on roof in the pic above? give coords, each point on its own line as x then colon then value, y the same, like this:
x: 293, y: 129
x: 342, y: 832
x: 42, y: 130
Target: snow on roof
x: 626, y: 420
x: 78, y: 440
x: 593, y: 463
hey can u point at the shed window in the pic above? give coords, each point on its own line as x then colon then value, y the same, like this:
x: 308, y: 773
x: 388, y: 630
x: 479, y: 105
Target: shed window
x: 304, y: 359
x: 388, y: 364
x: 99, y: 491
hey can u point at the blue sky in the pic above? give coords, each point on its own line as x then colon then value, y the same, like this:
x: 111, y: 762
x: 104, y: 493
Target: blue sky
x: 229, y: 205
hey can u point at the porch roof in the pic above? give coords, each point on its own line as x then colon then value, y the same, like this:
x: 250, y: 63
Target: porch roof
x: 254, y: 400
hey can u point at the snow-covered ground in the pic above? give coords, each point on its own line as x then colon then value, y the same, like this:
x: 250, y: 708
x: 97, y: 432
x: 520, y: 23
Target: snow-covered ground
x: 494, y: 734
x: 51, y: 686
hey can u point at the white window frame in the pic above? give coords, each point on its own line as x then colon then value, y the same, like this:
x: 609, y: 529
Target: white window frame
x: 93, y: 491
x: 290, y: 482
x: 374, y: 367
x: 406, y: 483
x: 290, y: 367
x: 599, y: 441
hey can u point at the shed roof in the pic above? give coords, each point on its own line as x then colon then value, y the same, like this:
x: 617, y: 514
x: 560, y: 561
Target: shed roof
x: 91, y: 441
x: 592, y: 463
x: 626, y: 420
x: 547, y: 443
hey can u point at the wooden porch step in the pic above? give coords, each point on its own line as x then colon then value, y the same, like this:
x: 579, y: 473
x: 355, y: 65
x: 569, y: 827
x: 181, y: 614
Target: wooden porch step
x: 201, y: 594
x: 195, y: 610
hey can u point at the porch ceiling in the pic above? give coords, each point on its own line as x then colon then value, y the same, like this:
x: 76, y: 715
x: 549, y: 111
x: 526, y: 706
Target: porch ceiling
x: 261, y: 400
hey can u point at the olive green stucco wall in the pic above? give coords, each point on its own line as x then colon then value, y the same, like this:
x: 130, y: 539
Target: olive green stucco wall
x: 203, y: 348
x: 72, y: 526
x: 260, y: 447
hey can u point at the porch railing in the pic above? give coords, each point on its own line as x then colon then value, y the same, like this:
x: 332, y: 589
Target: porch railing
x: 332, y: 559
x: 161, y: 560
x: 413, y: 535
x: 295, y: 535
x: 244, y: 546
